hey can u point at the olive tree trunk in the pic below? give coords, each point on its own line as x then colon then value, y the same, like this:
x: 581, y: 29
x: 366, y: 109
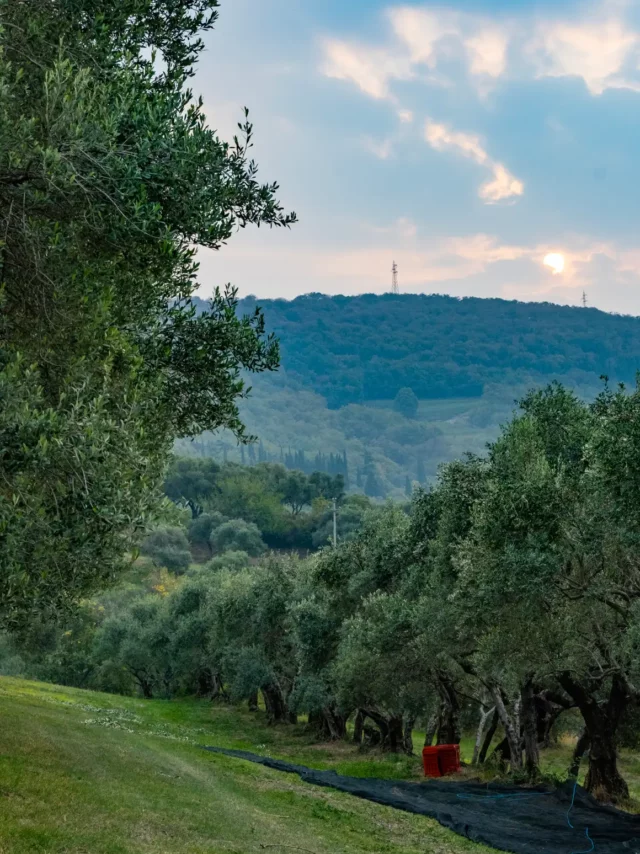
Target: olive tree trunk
x: 511, y: 724
x: 530, y: 729
x: 601, y: 719
x: 485, y: 716
x: 449, y: 724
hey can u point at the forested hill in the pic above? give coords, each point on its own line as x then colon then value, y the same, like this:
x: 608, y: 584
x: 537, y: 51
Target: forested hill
x: 363, y: 348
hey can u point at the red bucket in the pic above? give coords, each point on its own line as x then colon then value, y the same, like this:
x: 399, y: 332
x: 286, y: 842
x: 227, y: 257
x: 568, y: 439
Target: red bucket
x: 449, y: 758
x: 430, y: 762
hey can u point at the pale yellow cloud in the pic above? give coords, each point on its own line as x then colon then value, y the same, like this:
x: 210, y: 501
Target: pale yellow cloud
x: 476, y: 264
x: 487, y: 50
x: 382, y: 149
x: 421, y: 30
x: 370, y: 69
x: 501, y: 186
x: 420, y: 38
x: 403, y: 228
x: 598, y: 44
x: 441, y: 137
x: 595, y: 50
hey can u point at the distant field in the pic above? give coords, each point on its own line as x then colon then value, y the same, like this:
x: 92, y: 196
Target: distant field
x: 437, y: 410
x: 454, y: 417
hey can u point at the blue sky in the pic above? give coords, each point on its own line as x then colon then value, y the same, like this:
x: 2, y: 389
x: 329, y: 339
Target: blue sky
x: 467, y: 142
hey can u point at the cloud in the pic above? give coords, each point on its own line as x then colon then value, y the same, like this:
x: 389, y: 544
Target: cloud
x: 597, y: 51
x: 441, y: 137
x: 405, y: 116
x: 382, y: 149
x: 421, y: 32
x: 370, y: 69
x: 487, y: 51
x: 502, y: 185
x: 420, y: 38
x: 599, y: 45
x: 403, y: 228
x: 475, y: 264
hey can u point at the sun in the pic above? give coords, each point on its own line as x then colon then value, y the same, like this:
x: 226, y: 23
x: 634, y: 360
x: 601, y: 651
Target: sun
x: 555, y: 261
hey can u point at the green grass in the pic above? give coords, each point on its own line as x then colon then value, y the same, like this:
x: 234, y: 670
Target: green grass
x: 89, y: 773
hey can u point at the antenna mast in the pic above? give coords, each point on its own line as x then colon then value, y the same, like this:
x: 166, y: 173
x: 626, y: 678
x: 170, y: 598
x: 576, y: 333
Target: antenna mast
x: 394, y: 279
x: 584, y: 299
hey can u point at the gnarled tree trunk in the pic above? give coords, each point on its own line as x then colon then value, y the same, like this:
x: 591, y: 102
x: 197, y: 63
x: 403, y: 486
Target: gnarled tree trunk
x: 549, y: 706
x: 205, y: 683
x: 601, y: 719
x: 408, y: 724
x: 511, y: 724
x: 433, y: 725
x: 530, y: 729
x: 329, y: 723
x: 390, y: 727
x: 486, y: 744
x: 275, y: 705
x: 358, y: 726
x: 485, y: 715
x: 582, y: 745
x: 449, y: 728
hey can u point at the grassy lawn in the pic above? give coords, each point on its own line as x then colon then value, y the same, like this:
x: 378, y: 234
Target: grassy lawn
x: 89, y: 773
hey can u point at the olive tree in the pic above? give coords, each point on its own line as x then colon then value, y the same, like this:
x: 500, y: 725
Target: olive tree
x: 548, y: 573
x: 109, y: 181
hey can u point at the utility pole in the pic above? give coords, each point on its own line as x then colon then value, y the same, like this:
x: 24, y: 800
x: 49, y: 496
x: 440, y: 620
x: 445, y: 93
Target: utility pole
x: 335, y: 524
x: 394, y: 279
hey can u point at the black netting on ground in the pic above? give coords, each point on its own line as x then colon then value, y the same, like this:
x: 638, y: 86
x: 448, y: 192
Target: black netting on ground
x: 566, y: 820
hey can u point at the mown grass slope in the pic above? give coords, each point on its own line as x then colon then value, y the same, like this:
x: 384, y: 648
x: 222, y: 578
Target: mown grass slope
x: 89, y: 773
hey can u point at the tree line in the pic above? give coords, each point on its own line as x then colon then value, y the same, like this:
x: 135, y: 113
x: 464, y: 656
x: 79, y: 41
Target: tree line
x: 354, y: 349
x: 506, y: 597
x: 290, y: 509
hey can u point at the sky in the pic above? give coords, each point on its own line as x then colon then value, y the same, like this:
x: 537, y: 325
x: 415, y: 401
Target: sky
x: 468, y: 142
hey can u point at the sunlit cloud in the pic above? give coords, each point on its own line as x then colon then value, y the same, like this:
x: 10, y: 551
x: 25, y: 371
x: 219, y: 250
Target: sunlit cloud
x: 502, y: 185
x: 422, y: 30
x: 598, y: 45
x: 441, y: 137
x: 555, y: 262
x: 382, y: 149
x: 370, y: 69
x: 420, y: 39
x: 476, y: 264
x: 487, y: 51
x: 403, y: 228
x: 597, y: 51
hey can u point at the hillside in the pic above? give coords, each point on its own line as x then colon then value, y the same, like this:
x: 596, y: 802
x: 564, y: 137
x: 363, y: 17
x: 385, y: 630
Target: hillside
x: 468, y: 360
x: 363, y: 348
x: 87, y: 772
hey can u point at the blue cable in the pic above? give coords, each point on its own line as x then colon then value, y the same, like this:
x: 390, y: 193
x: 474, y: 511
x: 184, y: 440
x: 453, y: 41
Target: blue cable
x: 520, y: 795
x: 573, y: 797
x: 586, y: 850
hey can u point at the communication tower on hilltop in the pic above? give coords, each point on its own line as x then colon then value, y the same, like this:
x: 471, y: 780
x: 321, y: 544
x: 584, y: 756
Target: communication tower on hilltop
x: 584, y: 299
x: 394, y: 279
